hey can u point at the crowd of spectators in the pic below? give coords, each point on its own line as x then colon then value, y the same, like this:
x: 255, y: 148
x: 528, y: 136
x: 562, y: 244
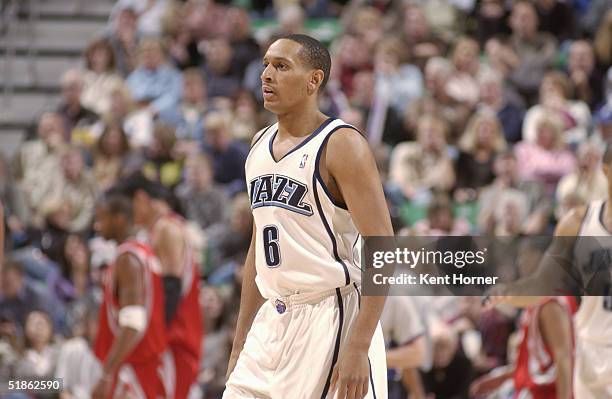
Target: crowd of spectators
x: 485, y: 116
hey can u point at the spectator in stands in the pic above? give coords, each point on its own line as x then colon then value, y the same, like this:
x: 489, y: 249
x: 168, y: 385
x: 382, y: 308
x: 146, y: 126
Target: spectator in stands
x: 463, y: 84
x: 18, y: 297
x: 244, y: 47
x: 222, y: 77
x: 154, y: 84
x: 77, y: 119
x: 188, y: 116
x: 76, y: 187
x: 586, y: 78
x: 202, y: 200
x: 10, y: 345
x: 509, y: 115
x: 40, y: 356
x: 291, y: 20
x: 587, y: 182
x: 603, y: 126
x: 13, y: 203
x: 160, y: 163
x: 491, y: 20
x: 77, y: 364
x: 100, y: 78
x: 247, y: 118
x: 150, y: 14
x: 603, y: 41
x: 557, y: 18
x: 534, y: 51
x: 109, y: 155
x: 182, y: 44
x: 38, y: 160
x: 537, y: 204
x: 417, y: 168
x: 441, y: 220
x: 555, y: 95
x: 482, y: 141
x: 228, y: 155
x: 421, y: 42
x: 124, y: 40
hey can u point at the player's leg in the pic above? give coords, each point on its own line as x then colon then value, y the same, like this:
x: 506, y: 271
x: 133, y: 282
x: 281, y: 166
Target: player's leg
x: 258, y: 359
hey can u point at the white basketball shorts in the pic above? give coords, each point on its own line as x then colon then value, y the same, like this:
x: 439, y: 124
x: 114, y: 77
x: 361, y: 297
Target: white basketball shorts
x: 593, y: 371
x: 293, y: 344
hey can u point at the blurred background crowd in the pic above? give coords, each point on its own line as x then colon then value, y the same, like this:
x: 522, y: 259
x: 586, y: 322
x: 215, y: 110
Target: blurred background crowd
x: 485, y: 116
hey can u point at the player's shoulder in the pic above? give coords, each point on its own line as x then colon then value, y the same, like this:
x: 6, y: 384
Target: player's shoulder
x: 347, y: 138
x: 570, y: 224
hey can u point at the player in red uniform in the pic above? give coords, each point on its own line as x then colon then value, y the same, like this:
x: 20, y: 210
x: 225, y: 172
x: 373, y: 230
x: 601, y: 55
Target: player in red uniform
x: 545, y: 354
x: 167, y: 235
x: 131, y: 339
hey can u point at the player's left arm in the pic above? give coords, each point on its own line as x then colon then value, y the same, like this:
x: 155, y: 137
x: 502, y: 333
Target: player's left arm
x: 351, y: 167
x: 169, y: 246
x: 556, y: 327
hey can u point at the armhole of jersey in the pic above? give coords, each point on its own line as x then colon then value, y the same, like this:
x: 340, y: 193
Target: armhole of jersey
x: 317, y: 172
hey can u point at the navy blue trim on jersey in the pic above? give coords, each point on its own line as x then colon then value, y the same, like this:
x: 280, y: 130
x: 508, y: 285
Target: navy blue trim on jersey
x: 601, y: 217
x: 303, y: 143
x: 371, y: 379
x: 358, y: 295
x: 261, y: 136
x: 317, y: 171
x: 337, y: 345
x: 329, y: 231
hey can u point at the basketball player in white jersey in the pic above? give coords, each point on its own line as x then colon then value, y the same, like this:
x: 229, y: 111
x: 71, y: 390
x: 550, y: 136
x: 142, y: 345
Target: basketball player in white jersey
x: 586, y: 235
x: 303, y: 330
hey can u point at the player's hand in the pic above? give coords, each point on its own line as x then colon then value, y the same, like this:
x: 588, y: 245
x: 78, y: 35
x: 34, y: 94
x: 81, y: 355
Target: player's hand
x: 102, y: 388
x: 351, y: 375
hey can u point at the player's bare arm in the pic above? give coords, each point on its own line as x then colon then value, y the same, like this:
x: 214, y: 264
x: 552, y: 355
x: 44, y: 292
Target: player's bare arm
x: 556, y: 328
x: 349, y: 170
x: 555, y: 269
x: 129, y: 280
x: 169, y: 246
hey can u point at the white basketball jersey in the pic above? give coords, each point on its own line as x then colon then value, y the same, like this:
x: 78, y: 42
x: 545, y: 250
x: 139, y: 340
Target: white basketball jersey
x: 594, y: 317
x: 304, y: 242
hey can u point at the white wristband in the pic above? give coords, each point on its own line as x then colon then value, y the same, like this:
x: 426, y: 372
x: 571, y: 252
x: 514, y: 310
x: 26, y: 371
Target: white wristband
x: 133, y: 316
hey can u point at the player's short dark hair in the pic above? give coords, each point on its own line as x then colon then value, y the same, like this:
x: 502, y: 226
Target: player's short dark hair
x: 314, y: 53
x: 118, y: 202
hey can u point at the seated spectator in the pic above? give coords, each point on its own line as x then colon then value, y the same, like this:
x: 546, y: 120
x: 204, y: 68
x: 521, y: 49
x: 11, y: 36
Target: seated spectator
x: 603, y: 38
x: 39, y: 159
x: 441, y: 221
x: 417, y: 168
x: 18, y: 296
x: 421, y: 42
x: 202, y: 200
x: 40, y: 357
x: 557, y: 18
x: 154, y: 84
x: 538, y: 206
x: 587, y: 182
x: 291, y: 20
x: 188, y: 116
x: 14, y: 207
x: 124, y: 40
x: 555, y: 95
x: 77, y: 364
x: 182, y: 43
x: 463, y: 85
x: 228, y: 155
x: 585, y: 76
x: 160, y: 163
x: 509, y: 114
x: 100, y: 78
x: 10, y: 346
x: 491, y: 20
x: 603, y: 126
x: 546, y: 160
x: 482, y: 141
x: 221, y: 75
x: 78, y: 119
x: 247, y: 118
x: 150, y: 14
x: 244, y: 47
x: 77, y: 189
x: 534, y: 51
x: 350, y: 59
x: 109, y: 155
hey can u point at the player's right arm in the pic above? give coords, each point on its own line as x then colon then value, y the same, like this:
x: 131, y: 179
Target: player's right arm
x: 556, y: 327
x: 250, y: 302
x: 132, y: 319
x: 556, y: 269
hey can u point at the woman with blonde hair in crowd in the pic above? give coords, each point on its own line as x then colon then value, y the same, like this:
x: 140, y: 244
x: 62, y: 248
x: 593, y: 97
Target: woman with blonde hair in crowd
x: 482, y: 140
x: 547, y: 159
x: 100, y: 77
x: 109, y: 154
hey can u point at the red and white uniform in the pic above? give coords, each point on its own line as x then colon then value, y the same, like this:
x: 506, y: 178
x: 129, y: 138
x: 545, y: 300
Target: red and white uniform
x: 536, y: 374
x: 186, y: 328
x: 144, y: 374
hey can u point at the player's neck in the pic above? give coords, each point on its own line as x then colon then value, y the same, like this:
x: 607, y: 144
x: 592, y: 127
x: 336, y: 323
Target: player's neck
x: 300, y: 123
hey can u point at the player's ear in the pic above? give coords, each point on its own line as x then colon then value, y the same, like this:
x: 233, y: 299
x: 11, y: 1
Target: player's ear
x: 316, y: 78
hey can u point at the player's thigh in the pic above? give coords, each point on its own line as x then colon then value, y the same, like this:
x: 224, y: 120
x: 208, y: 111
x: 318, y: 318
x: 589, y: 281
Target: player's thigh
x: 593, y: 371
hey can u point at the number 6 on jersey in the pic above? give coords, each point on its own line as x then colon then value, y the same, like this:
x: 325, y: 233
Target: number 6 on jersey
x: 271, y: 246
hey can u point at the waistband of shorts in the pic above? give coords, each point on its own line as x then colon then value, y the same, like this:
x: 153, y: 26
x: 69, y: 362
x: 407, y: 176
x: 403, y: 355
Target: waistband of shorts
x: 311, y: 298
